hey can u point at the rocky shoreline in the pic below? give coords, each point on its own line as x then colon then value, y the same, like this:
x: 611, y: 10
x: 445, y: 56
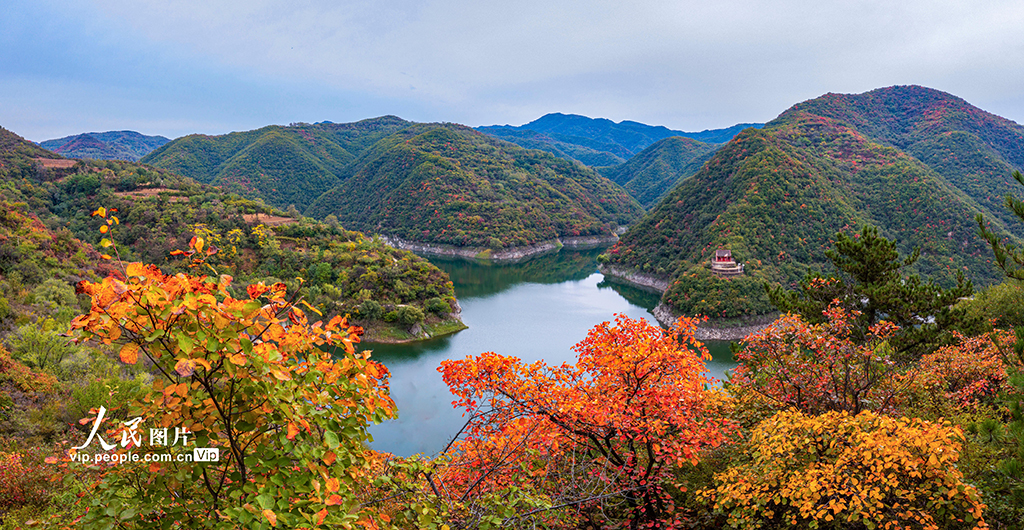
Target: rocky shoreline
x: 505, y: 255
x: 713, y: 329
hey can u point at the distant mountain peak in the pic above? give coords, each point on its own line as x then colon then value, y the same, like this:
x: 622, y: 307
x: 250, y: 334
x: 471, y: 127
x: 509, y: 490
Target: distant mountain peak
x: 598, y: 141
x: 110, y: 145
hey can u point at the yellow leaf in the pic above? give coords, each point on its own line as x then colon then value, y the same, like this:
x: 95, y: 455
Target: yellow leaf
x: 101, y: 211
x: 333, y: 484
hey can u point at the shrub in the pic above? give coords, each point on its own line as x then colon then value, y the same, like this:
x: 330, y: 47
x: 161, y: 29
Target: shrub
x: 371, y: 310
x: 841, y: 471
x: 409, y: 315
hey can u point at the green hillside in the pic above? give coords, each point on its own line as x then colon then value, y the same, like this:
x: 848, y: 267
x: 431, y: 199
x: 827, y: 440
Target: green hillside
x: 777, y: 196
x: 389, y: 291
x: 284, y: 166
x: 650, y: 174
x: 448, y: 184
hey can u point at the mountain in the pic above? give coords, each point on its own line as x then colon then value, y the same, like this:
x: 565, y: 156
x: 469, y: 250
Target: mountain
x: 598, y: 141
x: 160, y: 211
x: 112, y: 145
x: 913, y: 161
x: 650, y: 174
x: 282, y: 165
x: 446, y: 184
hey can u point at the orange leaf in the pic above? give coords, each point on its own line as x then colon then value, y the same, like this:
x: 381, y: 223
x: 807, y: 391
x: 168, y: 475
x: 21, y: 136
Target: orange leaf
x: 292, y: 431
x: 271, y: 516
x: 329, y: 458
x: 333, y: 500
x: 321, y: 515
x: 333, y: 484
x: 104, y: 229
x: 101, y: 211
x: 255, y: 290
x: 130, y: 353
x: 185, y: 367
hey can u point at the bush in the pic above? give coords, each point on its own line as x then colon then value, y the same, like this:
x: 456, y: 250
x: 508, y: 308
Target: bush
x: 409, y: 315
x: 437, y: 305
x: 371, y: 310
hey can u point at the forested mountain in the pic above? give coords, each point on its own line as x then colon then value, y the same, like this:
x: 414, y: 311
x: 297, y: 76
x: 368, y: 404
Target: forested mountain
x: 650, y: 174
x: 388, y: 290
x: 973, y: 150
x: 284, y: 166
x: 111, y: 145
x: 598, y: 141
x: 449, y: 184
x: 777, y: 196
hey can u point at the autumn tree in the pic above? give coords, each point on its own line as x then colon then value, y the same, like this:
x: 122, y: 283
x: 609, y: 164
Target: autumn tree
x: 870, y: 280
x: 598, y: 438
x: 844, y: 471
x: 251, y: 377
x: 819, y: 367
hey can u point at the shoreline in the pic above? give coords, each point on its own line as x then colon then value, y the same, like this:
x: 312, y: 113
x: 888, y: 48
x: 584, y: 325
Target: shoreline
x: 506, y: 255
x: 712, y: 329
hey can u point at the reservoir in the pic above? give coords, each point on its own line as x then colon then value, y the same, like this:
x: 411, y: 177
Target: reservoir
x: 536, y: 309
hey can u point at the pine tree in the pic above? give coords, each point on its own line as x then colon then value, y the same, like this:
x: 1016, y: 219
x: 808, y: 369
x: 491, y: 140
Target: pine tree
x: 871, y: 282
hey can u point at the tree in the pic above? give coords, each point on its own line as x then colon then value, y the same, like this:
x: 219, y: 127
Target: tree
x: 871, y: 282
x: 605, y: 433
x: 817, y: 368
x: 846, y: 471
x: 250, y: 377
x: 1010, y: 259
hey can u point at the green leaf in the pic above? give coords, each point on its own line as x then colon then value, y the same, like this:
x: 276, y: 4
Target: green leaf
x: 331, y: 439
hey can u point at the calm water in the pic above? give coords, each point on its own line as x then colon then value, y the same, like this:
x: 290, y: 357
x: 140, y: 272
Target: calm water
x: 533, y: 310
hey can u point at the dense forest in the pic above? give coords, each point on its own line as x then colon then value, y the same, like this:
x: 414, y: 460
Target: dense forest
x: 776, y: 197
x: 429, y: 183
x: 284, y: 166
x: 656, y: 170
x: 449, y: 184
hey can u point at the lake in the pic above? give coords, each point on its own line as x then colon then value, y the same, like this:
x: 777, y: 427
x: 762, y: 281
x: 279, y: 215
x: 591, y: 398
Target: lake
x: 536, y: 309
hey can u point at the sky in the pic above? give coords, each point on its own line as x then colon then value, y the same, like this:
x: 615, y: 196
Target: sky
x: 176, y: 67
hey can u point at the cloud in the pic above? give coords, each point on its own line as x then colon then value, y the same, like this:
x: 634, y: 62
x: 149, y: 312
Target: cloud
x: 684, y: 64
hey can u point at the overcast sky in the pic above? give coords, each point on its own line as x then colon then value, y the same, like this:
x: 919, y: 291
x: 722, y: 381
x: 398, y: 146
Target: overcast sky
x: 174, y: 67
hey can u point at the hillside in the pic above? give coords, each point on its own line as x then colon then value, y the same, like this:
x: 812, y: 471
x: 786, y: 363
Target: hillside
x: 598, y: 141
x: 777, y: 196
x: 650, y: 174
x: 111, y: 145
x: 394, y: 294
x: 450, y: 185
x: 282, y: 165
x: 973, y: 150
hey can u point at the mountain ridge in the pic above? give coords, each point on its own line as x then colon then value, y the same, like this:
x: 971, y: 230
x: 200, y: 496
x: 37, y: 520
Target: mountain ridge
x: 109, y: 145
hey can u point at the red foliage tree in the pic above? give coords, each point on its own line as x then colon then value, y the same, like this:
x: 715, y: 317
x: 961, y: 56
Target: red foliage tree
x: 604, y: 433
